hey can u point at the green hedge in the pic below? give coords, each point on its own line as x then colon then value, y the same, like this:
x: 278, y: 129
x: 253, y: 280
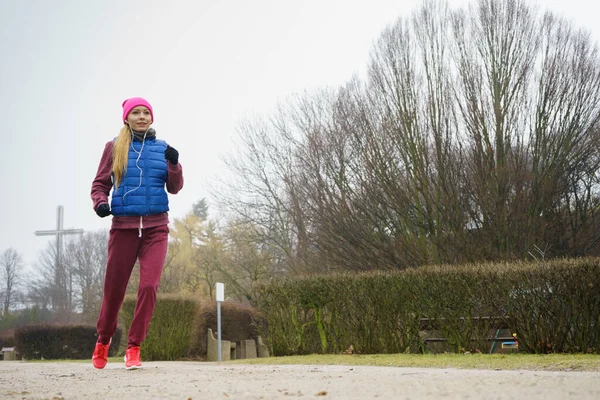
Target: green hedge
x: 552, y: 306
x: 180, y: 324
x: 555, y: 308
x: 170, y: 335
x: 51, y: 342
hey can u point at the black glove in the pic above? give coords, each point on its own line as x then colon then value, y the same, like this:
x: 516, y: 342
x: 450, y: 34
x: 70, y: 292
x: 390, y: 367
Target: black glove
x: 103, y: 210
x: 172, y: 155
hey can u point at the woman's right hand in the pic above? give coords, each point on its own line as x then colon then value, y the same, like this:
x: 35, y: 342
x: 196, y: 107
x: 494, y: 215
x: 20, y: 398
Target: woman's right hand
x: 103, y: 210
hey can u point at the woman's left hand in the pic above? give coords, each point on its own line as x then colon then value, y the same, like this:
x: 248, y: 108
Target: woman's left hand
x: 172, y: 155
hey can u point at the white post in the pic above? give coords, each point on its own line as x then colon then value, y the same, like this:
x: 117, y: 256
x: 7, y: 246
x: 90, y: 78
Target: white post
x: 220, y: 299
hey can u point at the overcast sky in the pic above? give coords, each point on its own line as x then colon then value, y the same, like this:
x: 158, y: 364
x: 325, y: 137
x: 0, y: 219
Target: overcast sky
x: 67, y: 65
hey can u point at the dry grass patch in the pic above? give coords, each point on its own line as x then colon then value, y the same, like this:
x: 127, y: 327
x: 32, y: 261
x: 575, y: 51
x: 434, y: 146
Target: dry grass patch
x: 535, y: 362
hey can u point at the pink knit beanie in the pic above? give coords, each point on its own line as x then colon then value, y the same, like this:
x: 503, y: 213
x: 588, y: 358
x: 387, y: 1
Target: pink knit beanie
x: 132, y: 103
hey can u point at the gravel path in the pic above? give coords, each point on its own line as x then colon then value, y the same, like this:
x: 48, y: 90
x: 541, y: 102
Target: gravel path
x: 203, y: 380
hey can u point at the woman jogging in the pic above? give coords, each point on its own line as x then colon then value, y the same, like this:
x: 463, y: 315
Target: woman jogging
x: 139, y: 169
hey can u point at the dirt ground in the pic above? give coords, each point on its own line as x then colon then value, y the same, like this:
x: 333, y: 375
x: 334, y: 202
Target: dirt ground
x: 204, y: 380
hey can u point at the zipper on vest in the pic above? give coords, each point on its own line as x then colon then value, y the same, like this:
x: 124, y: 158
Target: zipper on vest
x: 141, y: 226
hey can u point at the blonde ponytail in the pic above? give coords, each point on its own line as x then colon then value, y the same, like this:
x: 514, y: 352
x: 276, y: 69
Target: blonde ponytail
x: 120, y: 154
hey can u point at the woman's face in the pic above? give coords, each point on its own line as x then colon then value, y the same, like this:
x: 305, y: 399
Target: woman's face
x: 139, y: 119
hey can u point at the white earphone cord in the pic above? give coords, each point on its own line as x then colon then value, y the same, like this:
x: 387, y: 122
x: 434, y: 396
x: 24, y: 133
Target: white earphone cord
x: 138, y: 167
x: 137, y: 160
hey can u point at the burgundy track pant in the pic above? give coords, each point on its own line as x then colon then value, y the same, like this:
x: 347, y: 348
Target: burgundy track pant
x: 124, y: 248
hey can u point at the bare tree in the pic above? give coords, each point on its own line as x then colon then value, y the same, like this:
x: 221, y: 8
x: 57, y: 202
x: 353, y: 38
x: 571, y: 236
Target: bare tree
x: 257, y: 193
x: 475, y: 136
x: 79, y: 287
x: 85, y: 260
x: 564, y: 139
x: 11, y: 273
x: 180, y: 272
x: 248, y: 263
x: 50, y: 284
x: 209, y: 260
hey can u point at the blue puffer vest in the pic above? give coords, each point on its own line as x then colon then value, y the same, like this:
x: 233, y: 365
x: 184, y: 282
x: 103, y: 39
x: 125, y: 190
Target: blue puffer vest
x: 148, y: 197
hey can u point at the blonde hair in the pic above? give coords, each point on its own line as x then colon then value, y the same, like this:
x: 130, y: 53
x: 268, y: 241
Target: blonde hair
x: 120, y: 153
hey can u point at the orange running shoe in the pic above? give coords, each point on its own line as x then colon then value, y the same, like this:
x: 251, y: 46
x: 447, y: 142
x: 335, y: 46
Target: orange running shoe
x: 132, y: 358
x: 100, y: 357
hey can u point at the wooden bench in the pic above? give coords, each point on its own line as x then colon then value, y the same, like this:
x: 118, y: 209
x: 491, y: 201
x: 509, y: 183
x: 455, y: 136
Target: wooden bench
x: 495, y: 323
